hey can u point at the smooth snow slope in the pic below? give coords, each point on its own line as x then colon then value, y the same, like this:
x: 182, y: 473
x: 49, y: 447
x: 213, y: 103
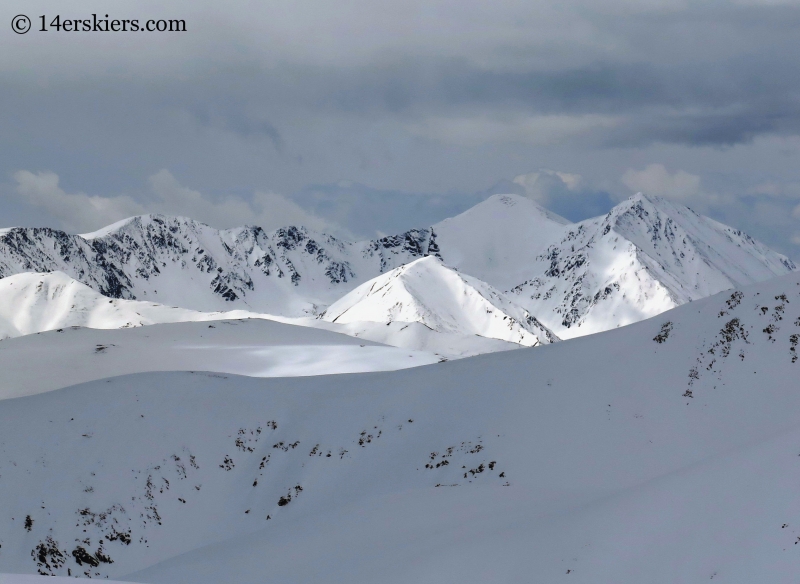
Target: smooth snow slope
x: 661, y: 452
x: 416, y: 336
x: 427, y: 292
x: 254, y: 347
x: 499, y: 239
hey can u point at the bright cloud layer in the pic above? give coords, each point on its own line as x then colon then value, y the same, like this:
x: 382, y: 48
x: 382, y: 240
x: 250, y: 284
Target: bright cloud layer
x: 79, y: 212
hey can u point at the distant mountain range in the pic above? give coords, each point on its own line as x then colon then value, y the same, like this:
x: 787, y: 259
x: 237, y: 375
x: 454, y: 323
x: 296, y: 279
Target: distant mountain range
x: 645, y: 256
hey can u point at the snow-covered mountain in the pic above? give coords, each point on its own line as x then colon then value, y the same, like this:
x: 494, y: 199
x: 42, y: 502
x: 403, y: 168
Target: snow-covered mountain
x: 661, y: 452
x: 665, y: 451
x: 645, y: 256
x: 33, y: 302
x: 178, y: 261
x: 498, y: 240
x: 425, y: 291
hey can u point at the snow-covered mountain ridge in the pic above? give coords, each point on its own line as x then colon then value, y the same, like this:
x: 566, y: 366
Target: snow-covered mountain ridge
x: 175, y: 260
x: 645, y: 256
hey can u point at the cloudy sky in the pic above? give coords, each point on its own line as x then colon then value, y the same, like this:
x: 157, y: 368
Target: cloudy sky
x: 370, y: 116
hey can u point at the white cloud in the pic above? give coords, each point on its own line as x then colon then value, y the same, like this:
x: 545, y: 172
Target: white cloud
x: 276, y: 211
x: 655, y: 179
x: 534, y: 130
x: 176, y: 199
x: 267, y: 210
x: 540, y: 185
x: 790, y: 190
x: 79, y: 212
x: 76, y: 211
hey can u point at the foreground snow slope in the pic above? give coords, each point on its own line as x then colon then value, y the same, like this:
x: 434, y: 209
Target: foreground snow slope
x: 732, y: 518
x: 254, y: 347
x: 661, y: 452
x: 427, y: 292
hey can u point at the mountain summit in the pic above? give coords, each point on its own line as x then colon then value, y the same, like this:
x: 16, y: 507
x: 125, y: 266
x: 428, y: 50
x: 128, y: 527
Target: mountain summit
x: 499, y: 239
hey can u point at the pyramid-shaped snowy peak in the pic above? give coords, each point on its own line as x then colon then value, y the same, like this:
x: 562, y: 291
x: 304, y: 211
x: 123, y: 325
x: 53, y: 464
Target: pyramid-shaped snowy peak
x: 428, y: 292
x: 499, y: 239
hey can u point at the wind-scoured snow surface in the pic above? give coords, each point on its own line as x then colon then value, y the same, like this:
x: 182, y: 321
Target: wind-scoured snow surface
x: 666, y: 451
x: 646, y: 256
x: 427, y: 292
x: 253, y: 347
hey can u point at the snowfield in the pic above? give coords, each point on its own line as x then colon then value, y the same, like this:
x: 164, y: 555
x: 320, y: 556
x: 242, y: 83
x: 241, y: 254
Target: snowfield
x: 253, y: 347
x: 665, y: 451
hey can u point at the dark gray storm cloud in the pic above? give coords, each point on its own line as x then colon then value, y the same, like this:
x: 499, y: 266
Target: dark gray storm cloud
x: 432, y: 105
